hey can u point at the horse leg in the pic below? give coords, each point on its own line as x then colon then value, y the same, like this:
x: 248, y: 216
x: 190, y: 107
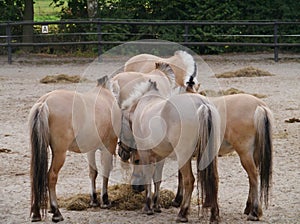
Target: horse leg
x: 253, y: 207
x: 157, y: 181
x: 93, y: 172
x: 58, y: 159
x: 106, y: 162
x: 178, y: 198
x: 148, y: 172
x: 188, y: 185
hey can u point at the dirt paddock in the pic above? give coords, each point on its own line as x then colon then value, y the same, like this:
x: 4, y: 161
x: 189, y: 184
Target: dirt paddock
x: 20, y: 88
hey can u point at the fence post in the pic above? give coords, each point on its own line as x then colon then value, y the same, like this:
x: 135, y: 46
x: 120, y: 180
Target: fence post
x: 186, y: 33
x: 275, y: 42
x: 8, y: 41
x: 99, y: 41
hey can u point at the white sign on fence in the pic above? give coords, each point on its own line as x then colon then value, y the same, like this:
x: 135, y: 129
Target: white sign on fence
x: 45, y: 29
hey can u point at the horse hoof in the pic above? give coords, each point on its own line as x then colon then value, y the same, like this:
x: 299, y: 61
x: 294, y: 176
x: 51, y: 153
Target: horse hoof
x: 94, y: 204
x: 252, y: 218
x: 106, y: 206
x: 36, y: 218
x: 57, y: 219
x: 175, y: 204
x: 148, y: 211
x: 157, y: 210
x: 182, y: 219
x: 247, y: 211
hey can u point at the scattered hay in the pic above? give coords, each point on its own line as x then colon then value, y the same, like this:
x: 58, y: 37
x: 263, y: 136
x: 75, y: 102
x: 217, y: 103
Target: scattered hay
x: 3, y: 150
x: 232, y: 91
x: 77, y: 202
x: 259, y: 95
x: 229, y: 91
x: 245, y: 72
x: 122, y: 198
x: 166, y: 197
x: 292, y: 120
x: 62, y: 78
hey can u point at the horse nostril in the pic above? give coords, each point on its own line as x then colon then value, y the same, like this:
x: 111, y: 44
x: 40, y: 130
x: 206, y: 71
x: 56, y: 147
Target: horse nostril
x: 137, y: 162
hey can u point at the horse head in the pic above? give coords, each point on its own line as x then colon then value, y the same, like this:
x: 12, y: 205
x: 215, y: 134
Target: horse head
x: 192, y: 87
x: 126, y: 144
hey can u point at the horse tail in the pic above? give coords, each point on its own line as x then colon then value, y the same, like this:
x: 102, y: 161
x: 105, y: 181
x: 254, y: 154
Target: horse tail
x: 39, y: 140
x: 263, y: 151
x: 207, y: 148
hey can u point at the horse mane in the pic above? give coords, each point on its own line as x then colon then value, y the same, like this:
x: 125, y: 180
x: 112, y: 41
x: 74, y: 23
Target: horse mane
x: 102, y: 81
x: 188, y: 61
x: 168, y: 71
x: 138, y: 91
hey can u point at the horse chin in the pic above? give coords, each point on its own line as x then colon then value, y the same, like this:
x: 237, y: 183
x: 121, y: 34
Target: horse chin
x: 138, y: 188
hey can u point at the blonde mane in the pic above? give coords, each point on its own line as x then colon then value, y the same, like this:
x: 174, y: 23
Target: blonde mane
x: 188, y: 61
x: 191, y: 67
x: 138, y: 90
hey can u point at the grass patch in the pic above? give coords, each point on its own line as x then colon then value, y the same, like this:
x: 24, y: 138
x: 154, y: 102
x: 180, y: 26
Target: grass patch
x: 45, y: 11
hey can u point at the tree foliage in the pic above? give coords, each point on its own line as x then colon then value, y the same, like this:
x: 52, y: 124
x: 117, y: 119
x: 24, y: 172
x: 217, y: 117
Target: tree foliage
x: 11, y: 10
x: 208, y: 10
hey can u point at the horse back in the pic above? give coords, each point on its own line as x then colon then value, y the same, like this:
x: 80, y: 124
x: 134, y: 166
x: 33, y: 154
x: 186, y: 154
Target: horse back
x: 82, y: 121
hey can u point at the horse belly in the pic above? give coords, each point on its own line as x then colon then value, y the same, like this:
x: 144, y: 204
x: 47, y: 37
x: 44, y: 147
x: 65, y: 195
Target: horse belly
x: 164, y: 150
x: 225, y: 148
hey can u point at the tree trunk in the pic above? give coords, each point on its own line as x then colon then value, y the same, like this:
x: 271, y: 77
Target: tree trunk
x: 28, y: 17
x: 92, y: 8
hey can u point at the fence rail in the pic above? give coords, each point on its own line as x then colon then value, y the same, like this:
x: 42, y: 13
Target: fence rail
x: 9, y: 39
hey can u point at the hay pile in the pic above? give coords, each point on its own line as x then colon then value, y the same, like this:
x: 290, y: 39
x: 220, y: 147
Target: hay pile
x: 121, y: 196
x: 62, y: 78
x: 245, y: 72
x: 292, y: 120
x: 4, y: 150
x: 229, y: 91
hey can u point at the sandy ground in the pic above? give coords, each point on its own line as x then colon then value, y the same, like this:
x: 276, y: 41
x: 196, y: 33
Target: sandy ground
x: 20, y: 88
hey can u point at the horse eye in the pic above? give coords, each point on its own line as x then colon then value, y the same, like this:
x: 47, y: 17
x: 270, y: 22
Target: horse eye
x: 136, y: 162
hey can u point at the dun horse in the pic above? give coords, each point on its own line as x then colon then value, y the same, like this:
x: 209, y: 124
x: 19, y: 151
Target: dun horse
x: 179, y: 126
x: 68, y: 120
x: 182, y: 63
x: 248, y: 131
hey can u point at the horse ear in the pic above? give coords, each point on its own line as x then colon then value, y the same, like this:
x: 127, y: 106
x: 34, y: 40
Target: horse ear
x: 152, y: 85
x: 190, y: 85
x: 102, y: 81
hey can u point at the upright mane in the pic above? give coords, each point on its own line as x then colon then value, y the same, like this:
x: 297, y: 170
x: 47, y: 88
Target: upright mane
x: 139, y: 90
x: 166, y: 68
x: 189, y: 62
x: 191, y: 66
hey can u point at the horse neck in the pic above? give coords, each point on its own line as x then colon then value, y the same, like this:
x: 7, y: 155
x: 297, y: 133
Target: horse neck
x: 150, y: 98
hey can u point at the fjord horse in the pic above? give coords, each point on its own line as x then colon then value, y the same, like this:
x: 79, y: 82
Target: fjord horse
x: 182, y: 63
x: 67, y: 120
x: 122, y: 85
x: 248, y: 131
x: 179, y: 126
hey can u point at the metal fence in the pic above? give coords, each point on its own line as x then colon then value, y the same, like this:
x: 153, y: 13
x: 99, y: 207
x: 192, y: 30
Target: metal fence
x: 10, y: 40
